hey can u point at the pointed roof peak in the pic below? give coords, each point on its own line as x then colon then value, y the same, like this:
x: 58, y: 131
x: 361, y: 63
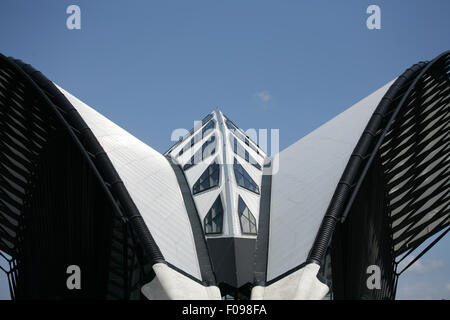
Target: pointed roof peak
x: 217, y: 111
x: 229, y: 125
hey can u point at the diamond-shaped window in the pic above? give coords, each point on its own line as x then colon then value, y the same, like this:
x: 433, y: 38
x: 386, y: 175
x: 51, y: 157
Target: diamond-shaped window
x: 243, y: 153
x: 243, y: 179
x: 248, y: 221
x: 208, y: 179
x: 214, y: 218
x: 199, y: 136
x: 208, y: 148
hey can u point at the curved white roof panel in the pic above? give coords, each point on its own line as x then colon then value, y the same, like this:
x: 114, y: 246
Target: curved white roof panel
x: 309, y: 171
x: 151, y: 183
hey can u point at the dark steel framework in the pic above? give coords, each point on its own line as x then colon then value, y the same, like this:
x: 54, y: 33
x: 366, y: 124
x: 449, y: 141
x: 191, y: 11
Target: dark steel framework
x: 61, y: 201
x: 394, y: 193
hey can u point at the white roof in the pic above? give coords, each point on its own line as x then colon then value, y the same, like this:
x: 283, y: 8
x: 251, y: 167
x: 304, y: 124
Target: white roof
x: 309, y: 171
x: 152, y: 185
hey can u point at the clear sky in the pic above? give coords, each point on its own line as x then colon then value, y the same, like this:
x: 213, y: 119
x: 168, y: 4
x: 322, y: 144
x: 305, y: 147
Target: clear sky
x: 154, y: 66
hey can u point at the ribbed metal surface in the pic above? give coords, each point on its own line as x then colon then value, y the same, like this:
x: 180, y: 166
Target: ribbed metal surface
x: 146, y: 189
x: 309, y: 173
x: 416, y: 161
x: 405, y: 155
x: 55, y: 207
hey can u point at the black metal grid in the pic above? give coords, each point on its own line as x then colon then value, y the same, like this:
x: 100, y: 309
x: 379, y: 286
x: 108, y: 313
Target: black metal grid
x: 56, y: 208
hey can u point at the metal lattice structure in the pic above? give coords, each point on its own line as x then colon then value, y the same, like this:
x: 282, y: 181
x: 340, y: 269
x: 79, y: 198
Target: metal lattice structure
x: 57, y: 201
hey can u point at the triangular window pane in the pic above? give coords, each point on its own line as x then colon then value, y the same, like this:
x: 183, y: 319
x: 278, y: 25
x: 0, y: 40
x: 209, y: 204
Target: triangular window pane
x: 208, y: 179
x: 248, y: 221
x: 243, y: 153
x: 207, y: 149
x: 243, y: 179
x: 214, y: 218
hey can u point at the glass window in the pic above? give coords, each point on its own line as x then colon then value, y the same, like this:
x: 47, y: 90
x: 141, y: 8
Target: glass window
x: 208, y: 148
x: 248, y: 221
x: 208, y: 179
x: 240, y: 135
x: 235, y: 130
x: 214, y: 218
x: 207, y: 118
x: 243, y: 179
x: 199, y: 136
x: 210, y: 126
x: 243, y: 153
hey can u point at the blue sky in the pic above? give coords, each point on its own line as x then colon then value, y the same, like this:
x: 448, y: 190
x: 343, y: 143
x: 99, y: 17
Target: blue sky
x: 154, y: 66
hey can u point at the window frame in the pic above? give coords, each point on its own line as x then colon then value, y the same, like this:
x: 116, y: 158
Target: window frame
x: 235, y: 141
x: 236, y: 162
x: 202, y: 149
x: 245, y: 138
x: 201, y: 131
x: 219, y: 198
x: 240, y: 217
x: 214, y: 186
